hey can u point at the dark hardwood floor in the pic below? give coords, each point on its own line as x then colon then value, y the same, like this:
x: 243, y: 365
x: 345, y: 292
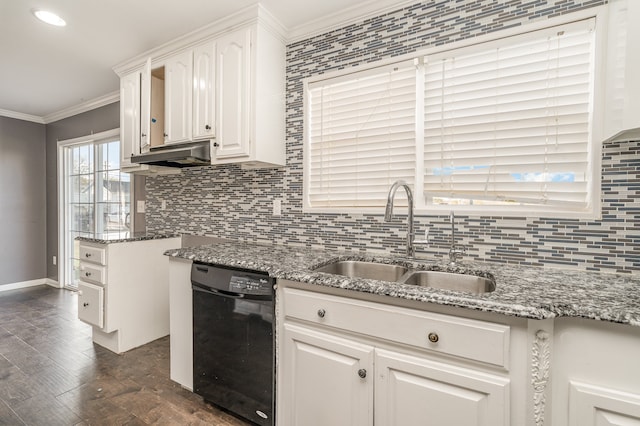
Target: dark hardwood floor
x: 51, y: 373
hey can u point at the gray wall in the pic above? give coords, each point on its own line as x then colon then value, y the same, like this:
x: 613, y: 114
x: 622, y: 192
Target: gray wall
x: 22, y: 201
x: 95, y: 121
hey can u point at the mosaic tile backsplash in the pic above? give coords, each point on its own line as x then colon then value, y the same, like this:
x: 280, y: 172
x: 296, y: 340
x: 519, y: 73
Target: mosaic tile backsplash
x: 229, y: 202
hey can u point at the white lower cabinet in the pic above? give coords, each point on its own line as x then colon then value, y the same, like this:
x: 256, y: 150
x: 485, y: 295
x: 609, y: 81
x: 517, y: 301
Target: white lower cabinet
x: 337, y: 370
x: 599, y: 406
x: 90, y: 304
x: 411, y: 390
x: 339, y: 363
x: 123, y: 291
x: 595, y: 373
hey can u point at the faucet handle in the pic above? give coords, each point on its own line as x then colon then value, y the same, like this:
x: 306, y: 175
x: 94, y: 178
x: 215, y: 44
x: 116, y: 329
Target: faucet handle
x: 459, y: 248
x: 456, y: 252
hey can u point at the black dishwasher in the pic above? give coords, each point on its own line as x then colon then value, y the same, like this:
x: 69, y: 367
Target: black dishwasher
x: 233, y: 356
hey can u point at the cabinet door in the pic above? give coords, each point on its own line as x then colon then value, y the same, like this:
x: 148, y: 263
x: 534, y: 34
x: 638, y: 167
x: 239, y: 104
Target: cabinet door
x: 178, y: 95
x: 145, y: 107
x: 233, y: 100
x: 91, y: 304
x: 417, y: 391
x: 129, y: 117
x: 591, y: 405
x: 204, y: 59
x: 325, y: 380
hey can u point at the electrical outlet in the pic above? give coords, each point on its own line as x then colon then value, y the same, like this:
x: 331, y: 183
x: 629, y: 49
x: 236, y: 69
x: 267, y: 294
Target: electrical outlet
x: 277, y: 207
x: 54, y: 260
x: 140, y: 206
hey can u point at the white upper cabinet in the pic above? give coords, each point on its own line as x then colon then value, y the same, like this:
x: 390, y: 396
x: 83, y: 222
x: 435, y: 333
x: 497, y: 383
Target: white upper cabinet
x: 204, y: 118
x: 622, y: 85
x: 233, y: 96
x: 214, y: 84
x: 250, y: 65
x: 178, y: 97
x: 129, y: 117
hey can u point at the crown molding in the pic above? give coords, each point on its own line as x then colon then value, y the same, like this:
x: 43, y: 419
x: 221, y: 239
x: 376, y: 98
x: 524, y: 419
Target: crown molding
x: 242, y: 18
x: 246, y: 16
x: 89, y: 105
x: 347, y: 16
x: 21, y: 116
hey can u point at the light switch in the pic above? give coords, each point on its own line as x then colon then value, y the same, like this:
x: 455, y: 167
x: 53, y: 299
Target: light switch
x: 140, y: 206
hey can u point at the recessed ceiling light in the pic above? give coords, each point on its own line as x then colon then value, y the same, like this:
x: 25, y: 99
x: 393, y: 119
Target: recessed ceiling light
x: 49, y: 18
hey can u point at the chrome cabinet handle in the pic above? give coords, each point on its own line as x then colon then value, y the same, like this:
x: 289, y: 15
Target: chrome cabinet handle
x: 362, y: 373
x: 433, y: 337
x: 321, y: 313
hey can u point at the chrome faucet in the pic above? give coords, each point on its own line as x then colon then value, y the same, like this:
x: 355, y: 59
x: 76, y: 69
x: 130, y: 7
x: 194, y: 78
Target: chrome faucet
x: 388, y: 213
x: 456, y: 250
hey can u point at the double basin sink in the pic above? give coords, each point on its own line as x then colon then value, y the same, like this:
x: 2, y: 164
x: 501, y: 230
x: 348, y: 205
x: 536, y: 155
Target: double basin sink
x: 400, y: 274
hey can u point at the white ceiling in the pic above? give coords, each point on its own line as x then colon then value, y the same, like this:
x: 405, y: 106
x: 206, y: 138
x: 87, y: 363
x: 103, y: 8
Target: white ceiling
x: 46, y: 69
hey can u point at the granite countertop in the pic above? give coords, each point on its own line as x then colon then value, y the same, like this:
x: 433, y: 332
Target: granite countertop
x: 135, y: 237
x: 528, y: 292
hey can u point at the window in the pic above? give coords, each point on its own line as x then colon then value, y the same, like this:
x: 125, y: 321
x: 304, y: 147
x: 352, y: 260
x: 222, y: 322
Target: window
x: 501, y: 127
x: 510, y: 122
x: 95, y: 197
x: 361, y: 136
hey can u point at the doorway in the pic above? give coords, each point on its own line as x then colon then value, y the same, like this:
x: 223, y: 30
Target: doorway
x: 94, y: 197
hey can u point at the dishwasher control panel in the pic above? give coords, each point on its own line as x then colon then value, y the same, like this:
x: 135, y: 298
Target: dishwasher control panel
x: 233, y: 280
x: 250, y: 285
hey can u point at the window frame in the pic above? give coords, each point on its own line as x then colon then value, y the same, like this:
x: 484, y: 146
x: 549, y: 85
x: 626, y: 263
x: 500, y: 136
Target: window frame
x: 420, y: 200
x: 65, y: 253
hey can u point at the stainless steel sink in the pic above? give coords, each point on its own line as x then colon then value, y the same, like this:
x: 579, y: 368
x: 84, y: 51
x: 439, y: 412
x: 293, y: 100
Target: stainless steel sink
x: 451, y: 281
x: 400, y: 274
x: 371, y: 270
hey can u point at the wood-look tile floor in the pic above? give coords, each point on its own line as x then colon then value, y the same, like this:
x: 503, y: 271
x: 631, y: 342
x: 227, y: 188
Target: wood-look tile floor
x: 51, y: 373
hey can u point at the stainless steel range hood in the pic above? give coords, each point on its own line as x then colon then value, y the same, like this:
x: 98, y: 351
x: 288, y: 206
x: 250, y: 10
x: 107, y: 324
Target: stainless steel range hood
x: 178, y: 155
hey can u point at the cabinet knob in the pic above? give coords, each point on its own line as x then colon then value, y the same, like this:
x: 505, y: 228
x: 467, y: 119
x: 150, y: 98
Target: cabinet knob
x: 87, y: 255
x: 87, y: 274
x: 144, y: 135
x: 362, y: 373
x: 433, y: 337
x: 85, y: 304
x: 321, y: 313
x: 216, y: 144
x: 207, y: 127
x: 166, y: 135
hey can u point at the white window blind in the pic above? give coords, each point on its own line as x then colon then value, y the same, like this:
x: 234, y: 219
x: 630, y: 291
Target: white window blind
x: 361, y: 136
x: 509, y: 121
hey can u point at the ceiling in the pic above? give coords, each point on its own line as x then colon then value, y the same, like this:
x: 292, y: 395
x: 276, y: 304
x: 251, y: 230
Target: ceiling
x: 47, y: 69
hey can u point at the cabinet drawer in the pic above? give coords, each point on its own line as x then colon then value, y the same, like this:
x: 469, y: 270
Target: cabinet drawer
x: 466, y: 338
x: 91, y: 304
x: 93, y: 254
x: 92, y: 272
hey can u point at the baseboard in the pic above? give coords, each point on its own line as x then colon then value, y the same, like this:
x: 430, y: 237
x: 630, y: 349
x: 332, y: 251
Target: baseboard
x: 52, y: 283
x: 25, y: 284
